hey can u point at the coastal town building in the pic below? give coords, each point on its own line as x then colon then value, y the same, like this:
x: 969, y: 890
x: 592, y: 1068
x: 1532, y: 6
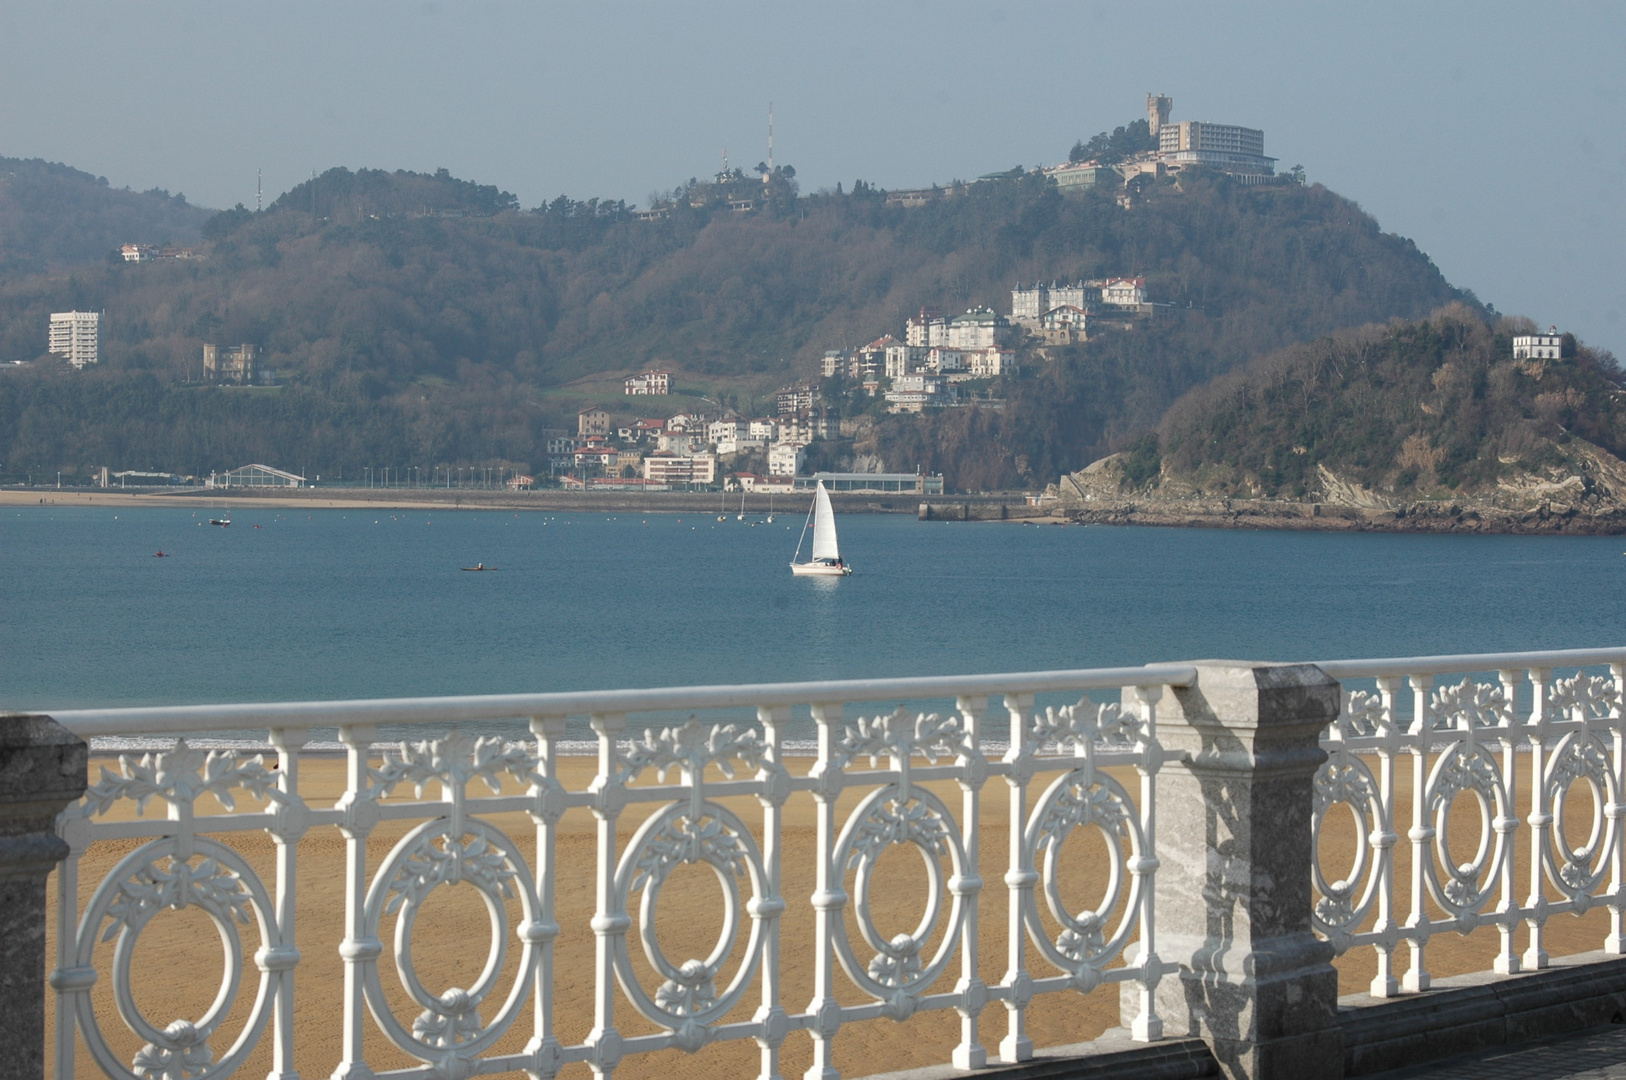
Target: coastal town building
x: 795, y: 399
x: 978, y: 328
x: 877, y: 483
x: 930, y: 327
x: 592, y: 421
x: 1030, y: 302
x: 648, y: 382
x: 1124, y: 292
x: 230, y: 364
x: 75, y: 336
x: 1548, y: 346
x: 916, y: 393
x: 664, y: 467
x: 785, y: 458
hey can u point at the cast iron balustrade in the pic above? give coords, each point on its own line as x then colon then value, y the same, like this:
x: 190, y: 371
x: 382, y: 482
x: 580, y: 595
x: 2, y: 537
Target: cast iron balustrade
x: 887, y: 756
x: 1514, y: 747
x: 1466, y: 738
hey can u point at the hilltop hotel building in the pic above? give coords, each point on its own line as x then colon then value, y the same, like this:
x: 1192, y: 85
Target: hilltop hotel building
x: 74, y: 336
x: 1238, y: 152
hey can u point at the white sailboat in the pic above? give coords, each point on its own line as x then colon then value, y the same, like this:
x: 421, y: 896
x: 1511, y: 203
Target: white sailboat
x: 826, y: 558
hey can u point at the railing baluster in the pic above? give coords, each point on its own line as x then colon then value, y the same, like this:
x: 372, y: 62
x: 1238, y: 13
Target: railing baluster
x: 774, y: 779
x: 829, y: 897
x: 970, y: 1053
x: 283, y: 955
x: 1421, y: 833
x: 1540, y: 819
x: 357, y: 949
x: 544, y: 1045
x: 1147, y: 1025
x: 1384, y: 983
x: 1507, y: 959
x: 609, y: 922
x: 1019, y: 880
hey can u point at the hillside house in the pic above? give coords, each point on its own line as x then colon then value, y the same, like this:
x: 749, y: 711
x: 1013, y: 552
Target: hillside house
x: 649, y: 382
x: 1548, y: 346
x: 1124, y: 292
x: 593, y: 421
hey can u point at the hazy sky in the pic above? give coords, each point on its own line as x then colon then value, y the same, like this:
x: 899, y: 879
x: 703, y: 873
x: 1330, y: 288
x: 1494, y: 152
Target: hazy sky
x: 1492, y: 133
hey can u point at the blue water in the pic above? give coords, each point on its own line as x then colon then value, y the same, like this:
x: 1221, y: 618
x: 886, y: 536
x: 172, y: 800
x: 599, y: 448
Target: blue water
x: 346, y: 603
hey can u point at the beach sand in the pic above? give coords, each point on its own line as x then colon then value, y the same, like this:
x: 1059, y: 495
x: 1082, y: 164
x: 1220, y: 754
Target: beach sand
x: 177, y: 961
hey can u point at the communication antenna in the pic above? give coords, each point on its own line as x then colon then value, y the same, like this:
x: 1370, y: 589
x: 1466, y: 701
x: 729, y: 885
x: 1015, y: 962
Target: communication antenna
x: 259, y: 191
x: 770, y: 137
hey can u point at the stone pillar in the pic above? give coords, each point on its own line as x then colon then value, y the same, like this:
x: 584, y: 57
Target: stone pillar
x: 42, y: 769
x: 1245, y: 973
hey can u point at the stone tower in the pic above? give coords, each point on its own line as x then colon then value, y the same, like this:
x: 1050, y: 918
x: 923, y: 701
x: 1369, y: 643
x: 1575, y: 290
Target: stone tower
x: 1157, y: 111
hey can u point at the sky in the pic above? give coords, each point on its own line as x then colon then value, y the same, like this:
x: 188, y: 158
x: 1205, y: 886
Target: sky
x: 1493, y: 133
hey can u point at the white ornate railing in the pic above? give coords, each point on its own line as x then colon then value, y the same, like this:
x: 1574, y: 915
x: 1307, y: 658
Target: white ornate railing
x: 1514, y: 747
x: 184, y: 858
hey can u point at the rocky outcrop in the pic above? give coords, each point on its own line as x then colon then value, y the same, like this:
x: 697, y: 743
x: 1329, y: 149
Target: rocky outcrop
x: 1585, y: 497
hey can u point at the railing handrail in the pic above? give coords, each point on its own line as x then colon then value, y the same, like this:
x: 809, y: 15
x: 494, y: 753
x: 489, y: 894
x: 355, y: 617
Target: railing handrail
x: 88, y: 723
x: 1469, y: 662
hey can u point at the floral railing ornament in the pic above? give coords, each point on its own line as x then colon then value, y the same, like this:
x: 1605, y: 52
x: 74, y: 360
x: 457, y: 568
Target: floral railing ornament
x: 1465, y: 741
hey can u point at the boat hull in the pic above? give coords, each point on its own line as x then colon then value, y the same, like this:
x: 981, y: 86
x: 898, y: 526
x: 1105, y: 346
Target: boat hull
x: 803, y: 569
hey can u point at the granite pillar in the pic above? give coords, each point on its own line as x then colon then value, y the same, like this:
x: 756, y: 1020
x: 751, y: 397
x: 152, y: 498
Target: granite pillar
x: 42, y: 769
x: 1246, y: 974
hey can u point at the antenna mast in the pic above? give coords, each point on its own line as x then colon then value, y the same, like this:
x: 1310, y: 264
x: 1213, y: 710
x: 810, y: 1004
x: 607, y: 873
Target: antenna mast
x: 770, y: 136
x: 259, y: 191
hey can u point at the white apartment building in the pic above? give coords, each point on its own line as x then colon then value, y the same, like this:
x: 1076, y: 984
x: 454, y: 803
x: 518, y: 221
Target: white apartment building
x: 785, y: 458
x: 1029, y: 304
x: 666, y: 468
x: 928, y: 328
x: 1548, y: 346
x: 75, y: 336
x: 979, y: 328
x: 761, y: 429
x: 720, y: 430
x: 904, y: 359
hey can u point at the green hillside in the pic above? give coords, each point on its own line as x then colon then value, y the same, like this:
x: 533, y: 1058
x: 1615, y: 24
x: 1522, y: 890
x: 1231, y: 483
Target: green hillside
x: 53, y: 216
x: 467, y: 327
x: 1437, y: 408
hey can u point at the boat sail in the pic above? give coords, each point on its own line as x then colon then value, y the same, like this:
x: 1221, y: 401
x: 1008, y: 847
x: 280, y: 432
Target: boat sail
x: 826, y: 558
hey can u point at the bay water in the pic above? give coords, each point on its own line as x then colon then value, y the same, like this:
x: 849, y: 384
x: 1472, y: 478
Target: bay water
x: 292, y: 604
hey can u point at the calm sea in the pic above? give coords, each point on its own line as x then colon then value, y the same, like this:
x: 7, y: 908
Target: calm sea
x: 349, y: 604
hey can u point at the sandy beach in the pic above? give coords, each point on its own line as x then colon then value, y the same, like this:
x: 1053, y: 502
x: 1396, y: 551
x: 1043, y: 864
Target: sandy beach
x: 177, y: 961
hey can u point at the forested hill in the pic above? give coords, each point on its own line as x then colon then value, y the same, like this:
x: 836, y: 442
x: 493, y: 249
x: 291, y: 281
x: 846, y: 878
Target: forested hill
x: 53, y: 216
x: 1388, y: 415
x: 434, y: 301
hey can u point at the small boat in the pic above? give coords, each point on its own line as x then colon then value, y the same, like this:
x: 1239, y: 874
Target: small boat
x: 825, y: 560
x: 159, y: 555
x: 770, y: 508
x: 477, y: 567
x: 222, y: 522
x: 742, y: 505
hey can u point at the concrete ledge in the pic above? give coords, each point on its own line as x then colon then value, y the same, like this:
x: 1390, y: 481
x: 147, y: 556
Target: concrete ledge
x: 1470, y: 1013
x: 1111, y: 1057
